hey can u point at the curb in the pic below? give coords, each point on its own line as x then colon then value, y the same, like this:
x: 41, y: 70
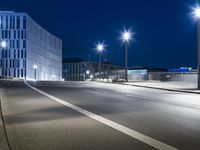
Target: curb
x: 182, y: 91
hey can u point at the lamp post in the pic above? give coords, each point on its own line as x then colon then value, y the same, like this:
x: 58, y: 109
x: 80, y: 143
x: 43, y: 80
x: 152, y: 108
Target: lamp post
x: 35, y: 70
x: 100, y: 47
x: 126, y: 36
x: 3, y: 46
x: 87, y: 74
x: 196, y: 12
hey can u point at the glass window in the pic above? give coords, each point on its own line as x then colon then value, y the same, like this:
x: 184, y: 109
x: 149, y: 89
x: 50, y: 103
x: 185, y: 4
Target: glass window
x: 22, y: 34
x: 6, y: 22
x: 11, y: 22
x: 24, y: 22
x: 10, y: 63
x: 6, y: 34
x: 22, y: 73
x: 9, y: 34
x: 1, y: 22
x: 18, y: 22
x: 18, y: 34
x: 15, y: 34
x: 18, y: 65
x: 24, y: 44
x: 18, y: 43
x: 14, y: 73
x: 24, y: 63
x: 22, y: 54
x: 18, y: 54
x: 17, y: 72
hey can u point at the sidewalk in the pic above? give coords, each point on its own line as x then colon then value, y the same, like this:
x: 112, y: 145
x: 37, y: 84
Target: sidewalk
x: 170, y: 86
x: 3, y: 138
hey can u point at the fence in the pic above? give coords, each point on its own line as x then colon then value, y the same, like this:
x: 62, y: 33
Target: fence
x: 159, y: 76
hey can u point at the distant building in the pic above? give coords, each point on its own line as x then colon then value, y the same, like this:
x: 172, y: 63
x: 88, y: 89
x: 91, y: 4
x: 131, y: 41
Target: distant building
x: 31, y: 52
x: 80, y: 70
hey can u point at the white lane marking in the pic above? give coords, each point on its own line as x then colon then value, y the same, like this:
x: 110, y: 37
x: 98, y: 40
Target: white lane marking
x: 139, y: 136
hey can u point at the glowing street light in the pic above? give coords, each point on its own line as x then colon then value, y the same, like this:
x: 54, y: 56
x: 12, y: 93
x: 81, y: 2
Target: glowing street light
x: 87, y: 72
x: 91, y: 76
x: 3, y: 45
x: 126, y: 36
x: 35, y: 66
x: 100, y: 47
x: 35, y: 69
x: 196, y: 14
x: 196, y: 11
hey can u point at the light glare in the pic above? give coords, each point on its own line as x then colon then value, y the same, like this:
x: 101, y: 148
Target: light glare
x: 126, y: 35
x: 87, y: 72
x: 100, y: 47
x: 91, y: 76
x: 3, y: 44
x: 197, y: 12
x: 35, y: 66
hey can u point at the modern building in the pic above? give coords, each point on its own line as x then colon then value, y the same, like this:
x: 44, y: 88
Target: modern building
x: 79, y: 70
x: 27, y: 50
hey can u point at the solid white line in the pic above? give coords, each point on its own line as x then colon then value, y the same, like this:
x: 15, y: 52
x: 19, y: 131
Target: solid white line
x: 139, y: 136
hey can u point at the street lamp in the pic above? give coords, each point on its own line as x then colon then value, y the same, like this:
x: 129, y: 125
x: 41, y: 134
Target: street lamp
x: 35, y: 69
x: 100, y: 48
x: 87, y: 72
x: 3, y: 45
x: 91, y: 76
x: 196, y: 13
x: 126, y: 36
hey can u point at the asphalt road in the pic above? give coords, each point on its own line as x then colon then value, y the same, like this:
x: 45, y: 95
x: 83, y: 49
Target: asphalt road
x: 36, y: 122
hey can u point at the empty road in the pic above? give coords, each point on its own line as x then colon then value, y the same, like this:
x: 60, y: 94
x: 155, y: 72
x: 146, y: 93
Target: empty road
x: 97, y: 116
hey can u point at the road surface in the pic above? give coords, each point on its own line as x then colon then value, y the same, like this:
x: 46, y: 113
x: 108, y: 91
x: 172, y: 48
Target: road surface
x: 98, y: 116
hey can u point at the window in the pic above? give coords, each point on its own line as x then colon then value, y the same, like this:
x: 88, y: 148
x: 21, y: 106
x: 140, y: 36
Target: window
x: 10, y: 63
x: 9, y: 34
x: 3, y: 34
x: 18, y: 34
x: 10, y: 25
x: 24, y: 44
x: 6, y: 63
x: 25, y: 54
x: 6, y: 34
x: 22, y: 73
x: 18, y: 43
x: 17, y: 72
x: 15, y: 34
x: 14, y: 73
x: 18, y: 22
x: 13, y: 22
x: 1, y: 22
x: 6, y: 22
x: 18, y: 56
x: 24, y: 22
x: 22, y: 54
x: 22, y: 34
x: 24, y: 63
x: 14, y: 53
x: 18, y: 64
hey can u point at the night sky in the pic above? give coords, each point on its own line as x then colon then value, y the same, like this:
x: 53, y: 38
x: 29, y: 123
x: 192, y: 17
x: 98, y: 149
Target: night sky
x: 165, y: 32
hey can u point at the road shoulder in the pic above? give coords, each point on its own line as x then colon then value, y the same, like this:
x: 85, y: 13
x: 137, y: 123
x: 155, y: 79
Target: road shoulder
x: 3, y: 139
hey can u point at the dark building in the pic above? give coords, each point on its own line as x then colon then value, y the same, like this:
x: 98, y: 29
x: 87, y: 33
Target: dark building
x: 76, y: 69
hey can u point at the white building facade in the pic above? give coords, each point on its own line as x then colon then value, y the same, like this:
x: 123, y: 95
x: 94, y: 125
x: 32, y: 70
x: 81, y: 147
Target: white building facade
x: 31, y: 52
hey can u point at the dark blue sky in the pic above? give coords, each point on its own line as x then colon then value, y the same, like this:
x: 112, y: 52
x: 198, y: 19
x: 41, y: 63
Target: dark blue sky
x: 165, y: 32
